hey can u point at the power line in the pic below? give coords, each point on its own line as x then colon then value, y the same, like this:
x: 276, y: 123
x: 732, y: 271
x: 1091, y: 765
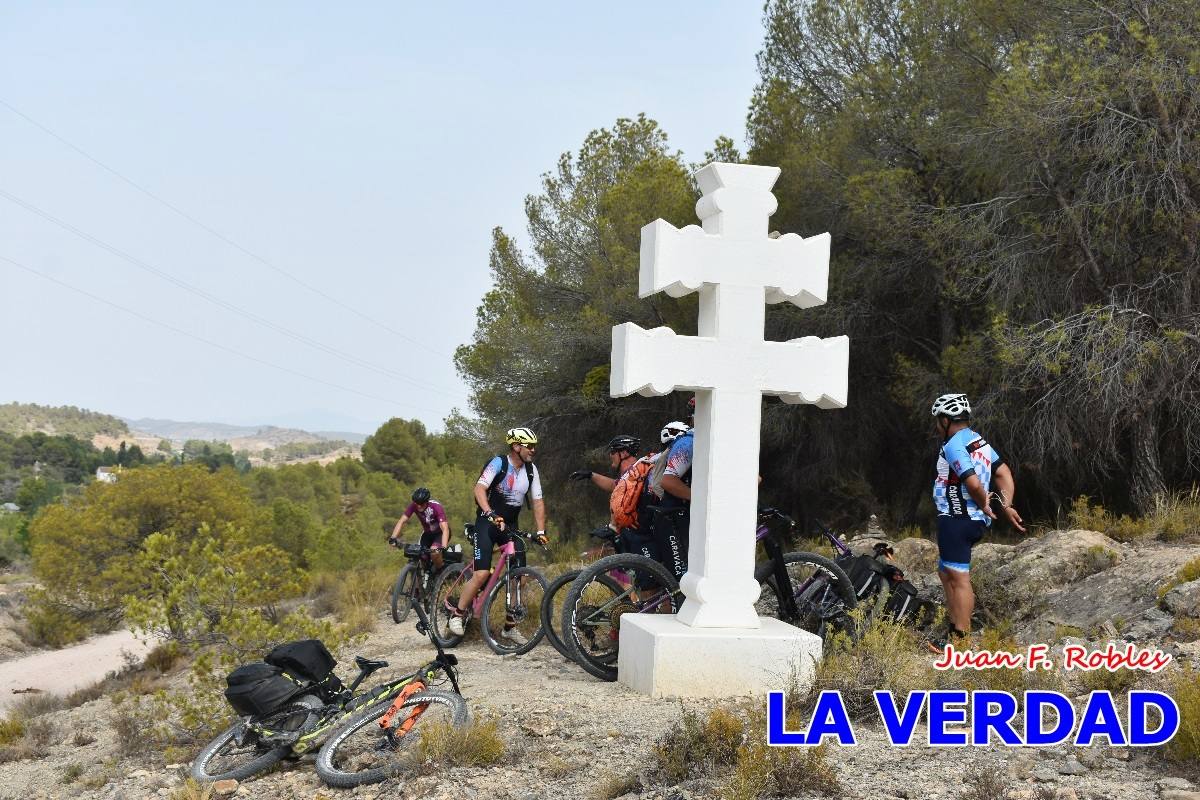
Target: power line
x: 315, y: 290
x: 217, y: 301
x: 209, y: 342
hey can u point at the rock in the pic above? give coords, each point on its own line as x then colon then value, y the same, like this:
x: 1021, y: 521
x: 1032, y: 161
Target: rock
x: 138, y: 773
x: 916, y: 555
x: 1072, y: 767
x: 1173, y: 783
x: 1150, y: 625
x: 538, y: 726
x: 987, y: 555
x: 225, y: 788
x: 1179, y: 794
x: 1044, y: 775
x: 1066, y: 793
x: 1184, y: 599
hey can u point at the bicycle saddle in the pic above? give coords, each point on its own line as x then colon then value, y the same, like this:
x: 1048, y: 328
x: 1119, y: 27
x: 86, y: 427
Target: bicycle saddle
x: 369, y: 665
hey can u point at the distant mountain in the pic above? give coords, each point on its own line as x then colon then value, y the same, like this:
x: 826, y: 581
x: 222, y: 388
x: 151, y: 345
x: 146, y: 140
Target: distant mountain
x: 21, y: 418
x: 219, y: 431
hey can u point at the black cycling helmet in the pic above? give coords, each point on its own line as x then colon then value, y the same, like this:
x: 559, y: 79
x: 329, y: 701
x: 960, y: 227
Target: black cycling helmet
x: 421, y: 495
x: 630, y: 444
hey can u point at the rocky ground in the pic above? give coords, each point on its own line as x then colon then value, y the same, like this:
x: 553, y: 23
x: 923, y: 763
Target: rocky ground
x: 569, y: 735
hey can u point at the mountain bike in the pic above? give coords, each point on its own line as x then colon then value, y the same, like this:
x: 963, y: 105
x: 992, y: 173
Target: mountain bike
x: 803, y: 589
x: 511, y: 600
x: 557, y: 591
x: 416, y: 578
x: 375, y: 743
x: 253, y: 744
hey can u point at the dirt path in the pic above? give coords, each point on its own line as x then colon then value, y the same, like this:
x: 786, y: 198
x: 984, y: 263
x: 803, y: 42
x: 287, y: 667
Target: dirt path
x: 63, y: 671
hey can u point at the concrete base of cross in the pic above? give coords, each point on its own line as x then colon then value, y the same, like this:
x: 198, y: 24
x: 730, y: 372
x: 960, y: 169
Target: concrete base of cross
x: 662, y: 657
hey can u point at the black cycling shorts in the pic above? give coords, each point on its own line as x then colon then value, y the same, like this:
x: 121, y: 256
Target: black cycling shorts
x: 955, y: 538
x: 488, y: 536
x: 671, y: 539
x: 430, y: 539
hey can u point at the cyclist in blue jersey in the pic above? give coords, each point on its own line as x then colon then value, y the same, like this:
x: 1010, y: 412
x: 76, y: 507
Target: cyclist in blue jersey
x: 671, y: 482
x: 966, y: 467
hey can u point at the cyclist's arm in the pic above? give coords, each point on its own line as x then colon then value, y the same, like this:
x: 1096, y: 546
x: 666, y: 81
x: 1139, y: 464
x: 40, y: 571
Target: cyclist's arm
x: 978, y: 493
x: 603, y: 481
x: 676, y: 487
x: 445, y: 534
x: 539, y: 513
x: 399, y: 524
x: 481, y: 499
x: 1007, y: 486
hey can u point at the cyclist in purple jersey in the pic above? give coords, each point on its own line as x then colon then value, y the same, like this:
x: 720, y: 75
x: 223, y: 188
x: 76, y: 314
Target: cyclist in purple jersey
x: 432, y: 516
x: 966, y: 467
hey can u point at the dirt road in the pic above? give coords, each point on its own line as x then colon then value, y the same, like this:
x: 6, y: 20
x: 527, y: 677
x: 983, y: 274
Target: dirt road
x: 63, y: 671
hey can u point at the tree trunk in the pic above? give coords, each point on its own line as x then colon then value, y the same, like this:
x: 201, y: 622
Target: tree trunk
x: 1146, y: 481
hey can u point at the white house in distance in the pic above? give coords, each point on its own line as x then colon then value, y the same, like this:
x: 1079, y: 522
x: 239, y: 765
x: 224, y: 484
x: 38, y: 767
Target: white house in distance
x: 107, y: 474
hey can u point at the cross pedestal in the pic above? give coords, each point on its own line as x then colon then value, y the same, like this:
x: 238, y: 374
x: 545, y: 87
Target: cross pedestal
x: 737, y: 269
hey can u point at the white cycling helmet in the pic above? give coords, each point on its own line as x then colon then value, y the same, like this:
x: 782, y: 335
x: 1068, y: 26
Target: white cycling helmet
x: 672, y: 431
x: 954, y: 406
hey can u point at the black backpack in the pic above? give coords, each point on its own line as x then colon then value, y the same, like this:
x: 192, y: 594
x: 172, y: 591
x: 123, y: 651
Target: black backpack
x: 499, y: 476
x: 260, y: 689
x: 309, y: 660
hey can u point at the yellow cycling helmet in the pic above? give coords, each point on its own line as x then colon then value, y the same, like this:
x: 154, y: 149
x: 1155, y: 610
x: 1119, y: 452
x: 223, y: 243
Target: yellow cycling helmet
x: 521, y: 436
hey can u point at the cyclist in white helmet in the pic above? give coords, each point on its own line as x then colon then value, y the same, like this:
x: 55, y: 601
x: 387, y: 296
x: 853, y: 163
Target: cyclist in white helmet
x: 966, y: 467
x: 506, y: 482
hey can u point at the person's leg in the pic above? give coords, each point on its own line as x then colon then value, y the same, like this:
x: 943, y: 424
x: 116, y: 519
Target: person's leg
x: 954, y: 538
x: 960, y: 598
x: 485, y: 534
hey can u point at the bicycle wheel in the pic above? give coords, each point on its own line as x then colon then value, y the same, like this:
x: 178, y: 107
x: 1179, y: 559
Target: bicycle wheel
x: 823, y: 593
x: 402, y: 592
x: 511, y: 619
x: 446, y: 589
x: 238, y: 752
x: 552, y: 610
x: 598, y: 598
x: 360, y: 752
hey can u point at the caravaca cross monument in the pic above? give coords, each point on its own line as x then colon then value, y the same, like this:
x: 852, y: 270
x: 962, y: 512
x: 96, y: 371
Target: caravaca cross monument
x: 717, y: 642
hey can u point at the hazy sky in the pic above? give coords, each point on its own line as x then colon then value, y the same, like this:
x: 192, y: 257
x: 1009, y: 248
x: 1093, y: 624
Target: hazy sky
x: 366, y: 149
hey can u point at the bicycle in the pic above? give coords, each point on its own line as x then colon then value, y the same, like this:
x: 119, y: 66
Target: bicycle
x: 253, y: 744
x: 416, y: 578
x: 551, y: 603
x: 510, y: 600
x: 818, y: 591
x: 368, y: 747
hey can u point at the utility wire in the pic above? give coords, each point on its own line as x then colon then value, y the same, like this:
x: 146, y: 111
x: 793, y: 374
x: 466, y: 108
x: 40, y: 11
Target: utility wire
x: 209, y: 342
x: 166, y: 276
x: 315, y: 290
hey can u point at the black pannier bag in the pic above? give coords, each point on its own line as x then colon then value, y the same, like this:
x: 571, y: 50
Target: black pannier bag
x: 310, y: 660
x: 259, y: 689
x: 902, y: 602
x: 866, y: 574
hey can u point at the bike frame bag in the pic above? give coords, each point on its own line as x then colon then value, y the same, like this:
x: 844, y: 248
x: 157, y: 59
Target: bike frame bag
x: 260, y: 689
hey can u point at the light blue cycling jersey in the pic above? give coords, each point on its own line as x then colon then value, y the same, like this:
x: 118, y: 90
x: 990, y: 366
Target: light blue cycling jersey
x: 966, y: 453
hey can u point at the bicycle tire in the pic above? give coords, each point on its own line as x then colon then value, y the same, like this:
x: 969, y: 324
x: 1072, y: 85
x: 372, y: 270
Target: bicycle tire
x: 401, y: 592
x: 531, y: 625
x: 813, y: 601
x: 602, y: 663
x: 439, y: 616
x: 551, y: 619
x: 342, y: 745
x: 260, y: 759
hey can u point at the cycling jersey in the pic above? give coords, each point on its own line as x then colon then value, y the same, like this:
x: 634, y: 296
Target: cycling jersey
x: 431, y: 518
x: 514, y: 485
x: 679, y: 464
x: 966, y: 453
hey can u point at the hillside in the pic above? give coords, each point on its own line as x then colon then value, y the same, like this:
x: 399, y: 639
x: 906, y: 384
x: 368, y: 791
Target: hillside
x: 20, y: 418
x: 265, y: 435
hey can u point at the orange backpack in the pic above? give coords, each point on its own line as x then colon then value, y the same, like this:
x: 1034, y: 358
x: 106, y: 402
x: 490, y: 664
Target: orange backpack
x: 623, y: 503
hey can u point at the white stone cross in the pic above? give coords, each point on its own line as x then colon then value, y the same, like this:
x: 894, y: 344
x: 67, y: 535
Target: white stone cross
x: 737, y: 269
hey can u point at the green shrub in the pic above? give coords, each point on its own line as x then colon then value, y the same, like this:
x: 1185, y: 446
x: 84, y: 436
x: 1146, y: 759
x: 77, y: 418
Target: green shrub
x: 765, y: 771
x: 1186, y: 574
x: 1185, y: 690
x: 698, y: 746
x: 11, y: 730
x: 1174, y: 517
x: 477, y: 744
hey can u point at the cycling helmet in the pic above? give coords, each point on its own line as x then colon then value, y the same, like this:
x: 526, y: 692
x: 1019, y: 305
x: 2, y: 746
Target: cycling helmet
x: 672, y: 431
x: 631, y: 444
x: 520, y: 436
x: 421, y: 495
x: 954, y: 406
x: 692, y: 405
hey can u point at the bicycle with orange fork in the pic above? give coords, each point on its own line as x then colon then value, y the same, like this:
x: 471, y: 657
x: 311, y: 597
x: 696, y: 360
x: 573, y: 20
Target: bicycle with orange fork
x: 374, y: 744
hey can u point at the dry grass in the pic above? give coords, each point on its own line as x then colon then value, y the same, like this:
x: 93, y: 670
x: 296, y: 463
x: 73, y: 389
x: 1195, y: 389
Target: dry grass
x: 612, y: 785
x: 764, y: 771
x: 356, y: 603
x: 163, y: 658
x: 696, y: 746
x: 11, y: 730
x: 35, y: 704
x: 556, y: 767
x: 71, y: 773
x: 82, y: 739
x: 1185, y: 690
x: 190, y: 790
x: 984, y: 783
x: 1174, y: 517
x: 476, y: 744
